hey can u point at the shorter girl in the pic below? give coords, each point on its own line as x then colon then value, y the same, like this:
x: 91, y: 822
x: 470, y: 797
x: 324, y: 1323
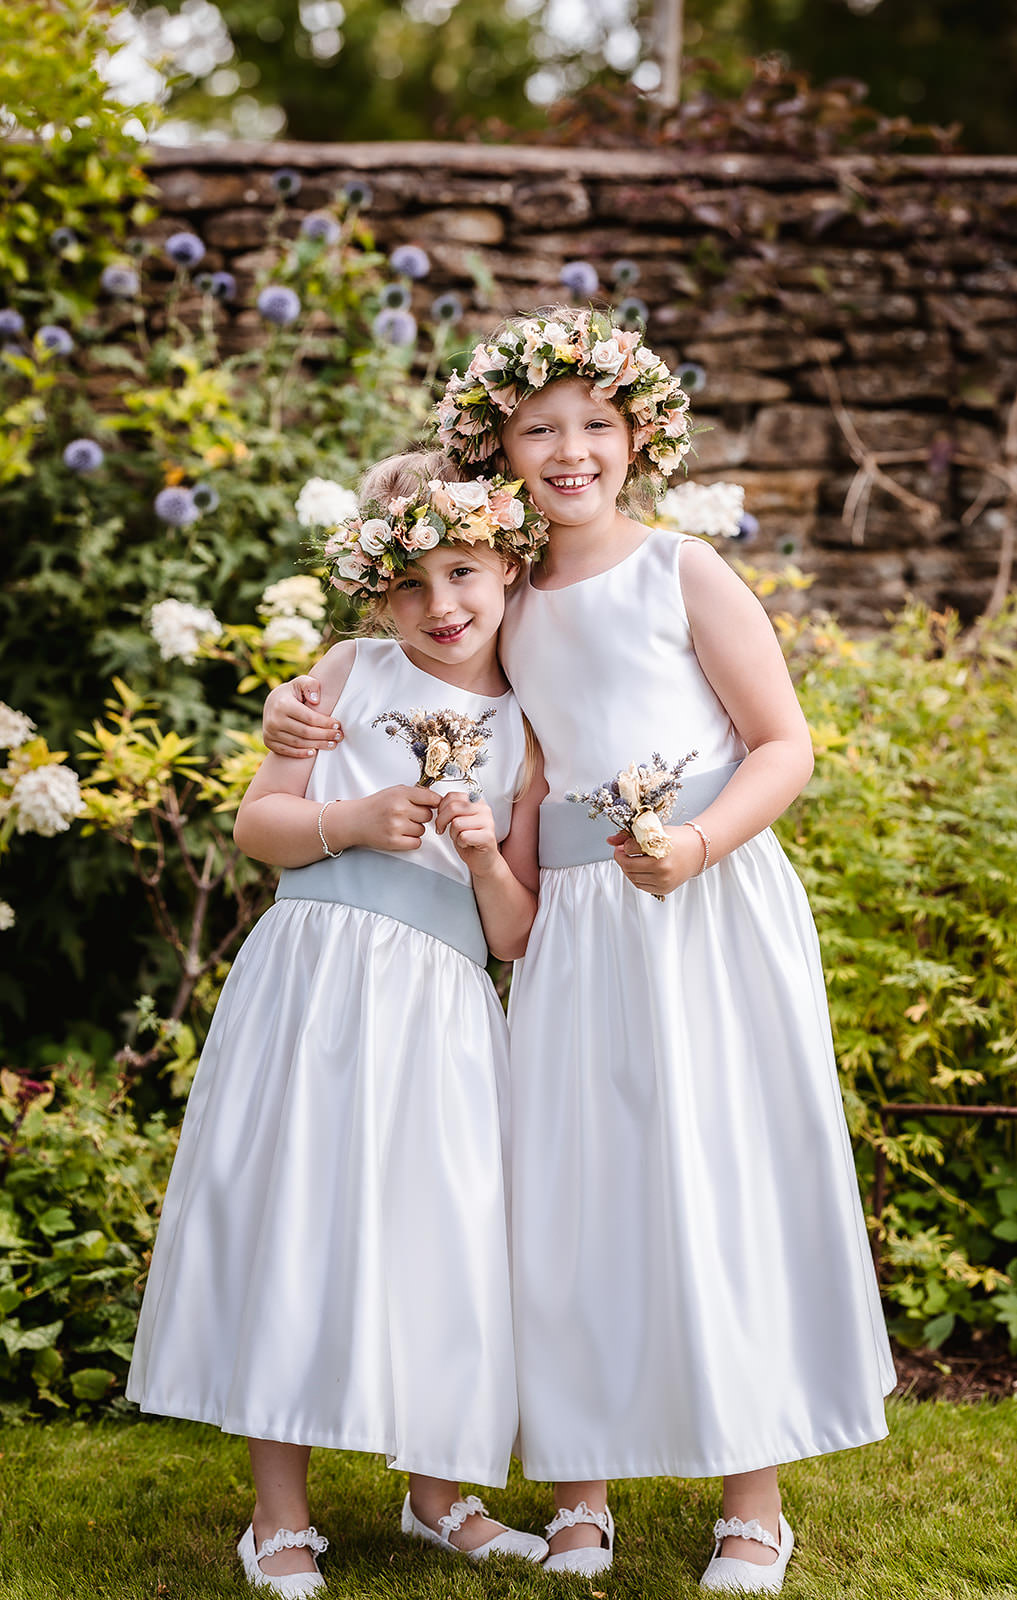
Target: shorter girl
x: 332, y: 1262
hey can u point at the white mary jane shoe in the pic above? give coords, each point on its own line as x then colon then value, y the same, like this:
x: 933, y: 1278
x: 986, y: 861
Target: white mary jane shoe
x: 732, y: 1576
x: 588, y: 1561
x: 289, y: 1584
x: 511, y: 1542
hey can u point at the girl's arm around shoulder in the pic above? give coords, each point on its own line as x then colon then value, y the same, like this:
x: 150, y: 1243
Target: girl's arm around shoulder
x: 505, y: 879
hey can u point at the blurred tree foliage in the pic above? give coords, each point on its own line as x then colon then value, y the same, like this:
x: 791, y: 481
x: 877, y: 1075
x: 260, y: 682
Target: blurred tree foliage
x: 403, y: 69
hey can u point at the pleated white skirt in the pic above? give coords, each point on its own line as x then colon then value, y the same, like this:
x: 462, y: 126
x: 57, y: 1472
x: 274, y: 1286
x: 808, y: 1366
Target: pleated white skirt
x: 331, y: 1266
x: 694, y: 1292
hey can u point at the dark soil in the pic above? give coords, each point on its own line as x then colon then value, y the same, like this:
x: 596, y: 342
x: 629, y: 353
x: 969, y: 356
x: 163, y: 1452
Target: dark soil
x: 981, y: 1368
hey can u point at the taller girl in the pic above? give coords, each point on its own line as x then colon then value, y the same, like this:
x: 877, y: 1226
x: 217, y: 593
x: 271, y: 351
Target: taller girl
x: 694, y: 1293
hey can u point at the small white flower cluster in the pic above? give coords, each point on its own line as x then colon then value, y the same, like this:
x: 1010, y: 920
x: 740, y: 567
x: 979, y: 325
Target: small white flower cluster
x: 295, y: 611
x: 15, y: 728
x: 178, y: 628
x: 322, y: 503
x: 44, y: 800
x: 714, y: 510
x: 7, y: 918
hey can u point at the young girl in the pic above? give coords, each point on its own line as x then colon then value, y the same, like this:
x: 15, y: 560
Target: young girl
x: 694, y: 1293
x: 332, y: 1264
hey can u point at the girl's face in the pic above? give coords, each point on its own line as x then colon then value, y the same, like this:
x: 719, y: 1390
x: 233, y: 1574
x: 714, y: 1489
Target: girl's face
x: 448, y: 605
x: 573, y: 449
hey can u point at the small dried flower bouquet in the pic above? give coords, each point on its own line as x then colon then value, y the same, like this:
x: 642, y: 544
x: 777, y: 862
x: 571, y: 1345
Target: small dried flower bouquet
x: 639, y: 801
x: 449, y: 745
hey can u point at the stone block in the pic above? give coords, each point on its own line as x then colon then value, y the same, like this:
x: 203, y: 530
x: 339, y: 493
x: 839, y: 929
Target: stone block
x: 843, y: 309
x: 764, y: 352
x: 899, y: 344
x: 719, y: 447
x: 236, y: 230
x: 726, y: 386
x: 550, y: 203
x: 779, y: 434
x: 882, y: 385
x: 792, y: 492
x: 632, y: 202
x: 460, y: 224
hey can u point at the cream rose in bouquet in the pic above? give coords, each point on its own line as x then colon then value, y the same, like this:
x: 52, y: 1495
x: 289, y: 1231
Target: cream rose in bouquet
x: 639, y: 800
x: 448, y: 745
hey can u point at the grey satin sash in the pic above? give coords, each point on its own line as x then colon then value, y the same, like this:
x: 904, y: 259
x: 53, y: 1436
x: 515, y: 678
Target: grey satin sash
x: 373, y: 881
x: 570, y: 837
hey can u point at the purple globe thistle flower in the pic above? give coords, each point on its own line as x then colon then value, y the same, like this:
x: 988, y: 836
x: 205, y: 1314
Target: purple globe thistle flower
x: 358, y: 193
x: 11, y: 322
x: 692, y: 377
x: 62, y: 240
x: 447, y: 308
x: 223, y: 286
x: 176, y: 506
x: 633, y: 312
x: 205, y: 497
x: 395, y: 326
x: 319, y: 225
x: 395, y: 297
x: 286, y: 182
x: 83, y: 455
x: 121, y: 282
x: 55, y: 339
x: 279, y: 305
x: 748, y: 528
x: 410, y: 260
x: 186, y: 249
x: 580, y: 277
x: 625, y: 273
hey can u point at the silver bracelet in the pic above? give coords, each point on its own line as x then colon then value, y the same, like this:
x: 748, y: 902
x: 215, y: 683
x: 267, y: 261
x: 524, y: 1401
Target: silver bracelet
x: 334, y: 854
x: 706, y: 845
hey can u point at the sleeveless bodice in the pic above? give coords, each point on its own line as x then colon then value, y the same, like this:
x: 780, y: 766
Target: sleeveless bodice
x: 368, y: 759
x: 606, y: 672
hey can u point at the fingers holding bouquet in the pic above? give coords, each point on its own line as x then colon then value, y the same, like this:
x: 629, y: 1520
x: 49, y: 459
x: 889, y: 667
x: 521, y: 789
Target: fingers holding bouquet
x: 639, y: 800
x: 469, y: 822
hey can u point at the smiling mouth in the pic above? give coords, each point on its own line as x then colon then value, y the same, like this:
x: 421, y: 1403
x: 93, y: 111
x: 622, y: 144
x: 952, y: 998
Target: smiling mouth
x: 447, y: 635
x: 572, y: 481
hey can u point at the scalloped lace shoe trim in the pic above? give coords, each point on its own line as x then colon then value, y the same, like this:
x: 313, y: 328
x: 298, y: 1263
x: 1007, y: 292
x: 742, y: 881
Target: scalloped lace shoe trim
x: 587, y: 1561
x: 728, y: 1575
x: 510, y: 1542
x: 288, y: 1585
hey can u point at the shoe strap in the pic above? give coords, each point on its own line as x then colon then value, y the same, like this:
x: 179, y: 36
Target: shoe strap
x: 564, y: 1518
x: 286, y: 1539
x: 458, y: 1512
x: 735, y: 1528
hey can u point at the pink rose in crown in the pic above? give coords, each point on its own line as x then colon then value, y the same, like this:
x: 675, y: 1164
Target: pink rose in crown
x: 422, y: 536
x: 506, y: 510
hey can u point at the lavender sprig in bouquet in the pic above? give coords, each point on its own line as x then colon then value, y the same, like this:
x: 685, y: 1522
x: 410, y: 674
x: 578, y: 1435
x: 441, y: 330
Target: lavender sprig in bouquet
x: 639, y: 801
x: 449, y: 745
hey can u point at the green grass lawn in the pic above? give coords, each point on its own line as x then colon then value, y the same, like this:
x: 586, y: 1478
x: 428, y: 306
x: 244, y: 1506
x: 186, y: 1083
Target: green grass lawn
x: 152, y: 1510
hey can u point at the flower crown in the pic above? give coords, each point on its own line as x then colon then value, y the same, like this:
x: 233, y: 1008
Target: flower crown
x: 366, y: 551
x: 526, y: 355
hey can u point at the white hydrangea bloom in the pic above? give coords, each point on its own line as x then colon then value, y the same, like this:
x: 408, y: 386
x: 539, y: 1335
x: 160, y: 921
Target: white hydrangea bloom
x: 15, y: 727
x: 292, y: 630
x: 45, y: 799
x: 178, y: 628
x: 6, y: 916
x: 712, y: 509
x: 293, y: 597
x: 322, y: 502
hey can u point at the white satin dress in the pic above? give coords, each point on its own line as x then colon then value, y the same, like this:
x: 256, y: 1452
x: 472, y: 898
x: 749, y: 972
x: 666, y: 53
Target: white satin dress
x: 694, y: 1292
x: 331, y: 1266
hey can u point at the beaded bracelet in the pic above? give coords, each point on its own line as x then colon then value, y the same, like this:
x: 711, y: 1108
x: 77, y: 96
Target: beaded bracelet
x: 333, y: 854
x: 706, y: 845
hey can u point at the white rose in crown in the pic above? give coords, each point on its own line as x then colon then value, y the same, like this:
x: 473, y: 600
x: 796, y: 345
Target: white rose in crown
x: 376, y: 535
x: 352, y: 566
x: 424, y: 537
x: 607, y: 357
x: 467, y: 497
x: 648, y: 832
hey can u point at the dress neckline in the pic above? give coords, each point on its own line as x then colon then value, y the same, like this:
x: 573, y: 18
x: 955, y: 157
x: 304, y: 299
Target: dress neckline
x: 592, y: 577
x: 433, y: 678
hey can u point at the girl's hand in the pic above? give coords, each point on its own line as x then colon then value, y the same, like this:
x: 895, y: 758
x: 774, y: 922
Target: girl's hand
x: 659, y: 875
x: 392, y: 819
x: 291, y: 724
x: 470, y: 826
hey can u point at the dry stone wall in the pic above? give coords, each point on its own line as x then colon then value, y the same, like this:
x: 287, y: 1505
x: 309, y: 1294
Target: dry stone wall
x: 865, y: 302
